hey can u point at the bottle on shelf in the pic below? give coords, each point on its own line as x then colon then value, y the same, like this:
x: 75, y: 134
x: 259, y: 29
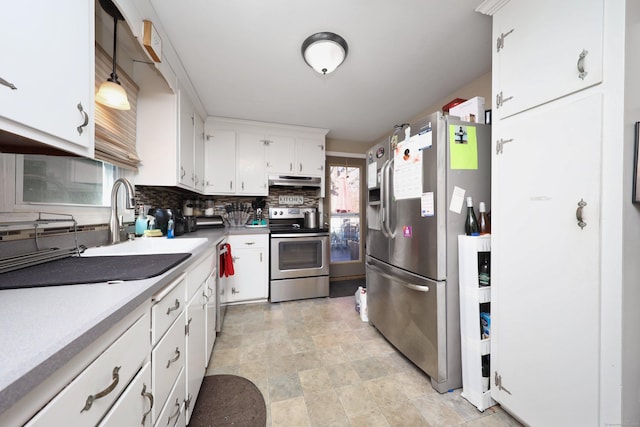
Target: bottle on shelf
x: 484, y: 221
x: 484, y: 270
x: 471, y: 227
x: 486, y: 373
x: 170, y: 226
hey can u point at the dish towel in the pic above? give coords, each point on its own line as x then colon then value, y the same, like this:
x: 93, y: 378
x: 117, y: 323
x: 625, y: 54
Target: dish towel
x: 226, y: 262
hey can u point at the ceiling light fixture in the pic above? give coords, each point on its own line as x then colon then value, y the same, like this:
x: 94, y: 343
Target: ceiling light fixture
x: 324, y: 52
x: 111, y: 93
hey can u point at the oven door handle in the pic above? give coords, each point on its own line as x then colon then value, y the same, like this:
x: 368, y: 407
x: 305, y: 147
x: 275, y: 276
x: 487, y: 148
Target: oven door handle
x: 299, y: 235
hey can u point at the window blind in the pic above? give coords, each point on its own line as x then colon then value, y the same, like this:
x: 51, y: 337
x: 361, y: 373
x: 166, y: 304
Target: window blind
x: 115, y: 139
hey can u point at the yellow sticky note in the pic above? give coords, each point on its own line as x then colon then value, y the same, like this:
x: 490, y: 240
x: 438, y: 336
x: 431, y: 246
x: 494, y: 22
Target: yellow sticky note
x: 463, y: 144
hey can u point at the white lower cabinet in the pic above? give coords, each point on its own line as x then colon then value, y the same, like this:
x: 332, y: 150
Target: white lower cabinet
x: 167, y: 363
x: 172, y: 413
x: 210, y: 314
x: 135, y: 404
x: 250, y: 281
x: 146, y: 370
x: 196, y: 346
x: 90, y: 395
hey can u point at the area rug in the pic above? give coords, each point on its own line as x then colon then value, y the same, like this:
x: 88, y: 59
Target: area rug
x: 228, y: 400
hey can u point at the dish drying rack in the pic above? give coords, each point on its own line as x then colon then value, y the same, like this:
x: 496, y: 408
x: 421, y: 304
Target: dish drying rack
x: 41, y: 255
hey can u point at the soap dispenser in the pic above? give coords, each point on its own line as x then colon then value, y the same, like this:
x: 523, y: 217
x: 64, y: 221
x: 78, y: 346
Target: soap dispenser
x: 141, y: 222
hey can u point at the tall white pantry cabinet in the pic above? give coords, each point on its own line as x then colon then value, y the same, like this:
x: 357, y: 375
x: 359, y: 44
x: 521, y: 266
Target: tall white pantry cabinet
x: 565, y: 342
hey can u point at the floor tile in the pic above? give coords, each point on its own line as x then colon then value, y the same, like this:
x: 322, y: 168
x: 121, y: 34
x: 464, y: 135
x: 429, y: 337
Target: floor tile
x: 317, y: 364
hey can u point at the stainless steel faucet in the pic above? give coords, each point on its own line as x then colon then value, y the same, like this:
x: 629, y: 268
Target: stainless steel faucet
x: 114, y: 223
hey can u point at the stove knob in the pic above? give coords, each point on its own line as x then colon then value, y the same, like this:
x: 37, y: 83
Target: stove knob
x: 281, y: 213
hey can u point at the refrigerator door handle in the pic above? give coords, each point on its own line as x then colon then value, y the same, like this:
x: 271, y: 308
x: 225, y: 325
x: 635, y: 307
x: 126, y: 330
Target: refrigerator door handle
x: 402, y: 279
x: 383, y: 189
x: 415, y: 287
x: 390, y: 234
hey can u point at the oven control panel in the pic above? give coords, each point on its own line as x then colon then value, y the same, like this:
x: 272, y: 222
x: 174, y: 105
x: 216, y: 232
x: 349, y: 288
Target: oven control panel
x: 288, y: 213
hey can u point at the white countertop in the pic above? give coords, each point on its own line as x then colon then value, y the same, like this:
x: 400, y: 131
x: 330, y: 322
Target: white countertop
x: 41, y: 329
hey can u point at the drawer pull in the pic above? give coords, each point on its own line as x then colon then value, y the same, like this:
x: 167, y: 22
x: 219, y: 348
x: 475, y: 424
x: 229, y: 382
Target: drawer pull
x: 175, y: 306
x: 92, y: 397
x: 175, y: 358
x: 149, y: 396
x: 175, y: 414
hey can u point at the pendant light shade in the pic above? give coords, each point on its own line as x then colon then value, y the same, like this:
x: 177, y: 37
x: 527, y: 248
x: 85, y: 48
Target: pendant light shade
x: 111, y: 93
x: 324, y: 52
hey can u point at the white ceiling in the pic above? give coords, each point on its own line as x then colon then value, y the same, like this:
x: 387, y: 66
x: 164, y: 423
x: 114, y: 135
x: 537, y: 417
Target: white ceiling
x: 243, y: 58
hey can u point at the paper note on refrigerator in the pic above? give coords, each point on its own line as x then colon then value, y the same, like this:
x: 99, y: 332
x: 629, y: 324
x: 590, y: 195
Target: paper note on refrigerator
x: 372, y: 175
x: 407, y: 170
x: 427, y: 207
x: 463, y: 147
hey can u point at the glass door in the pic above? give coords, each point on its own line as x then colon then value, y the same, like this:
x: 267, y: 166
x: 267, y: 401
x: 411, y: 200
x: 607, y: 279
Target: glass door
x: 344, y: 205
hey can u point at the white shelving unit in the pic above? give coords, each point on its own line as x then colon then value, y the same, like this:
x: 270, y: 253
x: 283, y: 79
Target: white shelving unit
x: 471, y: 296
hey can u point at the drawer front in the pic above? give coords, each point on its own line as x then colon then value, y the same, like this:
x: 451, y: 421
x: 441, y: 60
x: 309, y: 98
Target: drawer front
x: 248, y: 241
x: 88, y: 397
x: 134, y: 406
x: 167, y: 309
x: 172, y: 413
x: 199, y: 273
x: 167, y: 361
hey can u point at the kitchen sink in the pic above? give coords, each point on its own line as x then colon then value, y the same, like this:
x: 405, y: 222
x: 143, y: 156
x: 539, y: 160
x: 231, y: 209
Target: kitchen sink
x: 147, y: 246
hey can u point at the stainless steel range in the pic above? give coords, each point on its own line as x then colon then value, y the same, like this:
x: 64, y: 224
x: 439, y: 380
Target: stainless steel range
x: 299, y: 255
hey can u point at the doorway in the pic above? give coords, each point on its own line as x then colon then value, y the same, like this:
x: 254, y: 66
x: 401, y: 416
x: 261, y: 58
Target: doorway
x: 344, y: 215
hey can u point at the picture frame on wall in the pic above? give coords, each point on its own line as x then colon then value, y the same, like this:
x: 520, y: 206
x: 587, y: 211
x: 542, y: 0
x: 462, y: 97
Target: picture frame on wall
x: 636, y: 172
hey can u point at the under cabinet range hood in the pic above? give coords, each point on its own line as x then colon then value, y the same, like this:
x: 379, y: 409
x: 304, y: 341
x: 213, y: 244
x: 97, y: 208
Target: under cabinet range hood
x: 294, y: 181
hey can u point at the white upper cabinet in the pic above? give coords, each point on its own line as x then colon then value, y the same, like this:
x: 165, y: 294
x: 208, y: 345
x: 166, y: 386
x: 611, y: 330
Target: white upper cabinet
x: 240, y: 154
x: 535, y: 63
x: 220, y: 162
x: 295, y: 156
x: 198, y: 153
x: 48, y: 57
x: 251, y: 170
x: 281, y: 156
x: 310, y: 156
x: 186, y: 142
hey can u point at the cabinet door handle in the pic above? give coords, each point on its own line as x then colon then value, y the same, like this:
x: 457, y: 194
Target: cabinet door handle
x: 300, y: 167
x: 500, y: 99
x: 93, y: 397
x: 500, y: 143
x: 230, y: 185
x: 260, y: 256
x: 176, y: 306
x: 182, y: 172
x: 149, y: 396
x: 290, y: 167
x: 500, y: 41
x: 233, y: 291
x: 175, y: 359
x: 249, y: 243
x: 581, y: 223
x: 243, y: 185
x: 175, y: 414
x: 85, y: 117
x: 581, y: 72
x: 7, y: 84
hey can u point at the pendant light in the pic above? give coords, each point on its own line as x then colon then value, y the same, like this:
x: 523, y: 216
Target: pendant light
x: 111, y: 92
x: 324, y: 52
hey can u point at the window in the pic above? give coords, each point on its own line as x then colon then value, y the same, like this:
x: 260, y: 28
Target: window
x: 345, y: 213
x: 55, y: 180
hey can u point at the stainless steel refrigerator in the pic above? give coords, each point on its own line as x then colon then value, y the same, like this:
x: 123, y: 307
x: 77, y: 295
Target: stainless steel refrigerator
x: 418, y: 181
